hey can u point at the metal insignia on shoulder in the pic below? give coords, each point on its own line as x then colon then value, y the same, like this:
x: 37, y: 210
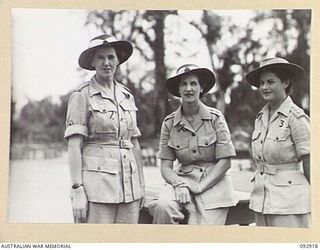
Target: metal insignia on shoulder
x: 126, y: 89
x: 297, y: 111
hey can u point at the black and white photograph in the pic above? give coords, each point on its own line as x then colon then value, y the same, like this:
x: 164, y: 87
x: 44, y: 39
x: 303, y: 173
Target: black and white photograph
x: 184, y: 117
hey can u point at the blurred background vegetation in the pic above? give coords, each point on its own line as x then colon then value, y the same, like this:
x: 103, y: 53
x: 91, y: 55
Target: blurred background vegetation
x: 232, y: 50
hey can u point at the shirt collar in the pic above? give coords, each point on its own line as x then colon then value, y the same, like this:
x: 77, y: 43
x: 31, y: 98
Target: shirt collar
x: 203, y: 113
x: 285, y: 106
x: 94, y: 88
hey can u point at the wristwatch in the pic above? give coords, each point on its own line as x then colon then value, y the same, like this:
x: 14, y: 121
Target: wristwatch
x: 77, y: 185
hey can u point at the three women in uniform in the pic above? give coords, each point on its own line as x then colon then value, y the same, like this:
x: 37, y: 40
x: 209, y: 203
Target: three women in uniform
x: 195, y: 147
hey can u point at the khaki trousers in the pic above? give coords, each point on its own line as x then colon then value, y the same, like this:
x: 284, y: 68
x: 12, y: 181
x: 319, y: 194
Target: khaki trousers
x: 170, y: 212
x: 107, y: 213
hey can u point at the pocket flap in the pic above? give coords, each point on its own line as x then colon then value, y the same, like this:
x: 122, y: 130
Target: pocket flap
x: 178, y: 143
x: 208, y: 140
x: 127, y: 105
x: 277, y: 135
x: 184, y: 169
x: 103, y: 107
x: 288, y: 178
x: 100, y: 164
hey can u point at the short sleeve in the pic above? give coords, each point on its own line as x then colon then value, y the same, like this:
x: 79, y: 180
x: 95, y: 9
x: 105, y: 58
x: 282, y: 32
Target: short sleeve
x: 224, y: 145
x: 136, y: 131
x: 300, y: 131
x: 76, y: 120
x: 166, y: 153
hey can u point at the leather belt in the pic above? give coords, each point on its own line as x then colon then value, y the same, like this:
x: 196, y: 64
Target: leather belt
x: 272, y: 169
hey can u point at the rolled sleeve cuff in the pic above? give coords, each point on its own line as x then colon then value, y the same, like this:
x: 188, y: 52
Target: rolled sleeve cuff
x: 76, y: 130
x: 224, y: 151
x: 136, y: 133
x: 303, y: 148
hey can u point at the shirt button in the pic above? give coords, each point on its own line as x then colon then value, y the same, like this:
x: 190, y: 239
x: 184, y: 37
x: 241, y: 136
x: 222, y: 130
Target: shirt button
x: 206, y: 143
x: 261, y: 141
x: 124, y: 156
x: 259, y: 157
x: 178, y: 146
x: 201, y: 170
x: 261, y: 173
x: 277, y: 138
x: 194, y: 151
x: 193, y: 134
x: 289, y: 182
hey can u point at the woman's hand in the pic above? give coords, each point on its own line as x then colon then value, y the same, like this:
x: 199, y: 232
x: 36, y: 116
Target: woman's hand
x: 182, y: 195
x: 191, y: 185
x: 79, y: 205
x: 194, y: 187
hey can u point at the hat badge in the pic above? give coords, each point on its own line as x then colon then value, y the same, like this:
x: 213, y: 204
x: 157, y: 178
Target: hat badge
x: 186, y: 69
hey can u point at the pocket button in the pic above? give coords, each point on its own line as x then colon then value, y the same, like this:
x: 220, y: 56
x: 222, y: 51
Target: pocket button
x: 99, y: 168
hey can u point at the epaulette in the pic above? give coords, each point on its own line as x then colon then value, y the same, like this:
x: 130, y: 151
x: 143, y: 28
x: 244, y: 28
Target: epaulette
x: 82, y: 87
x: 259, y: 114
x: 171, y: 116
x: 215, y: 111
x: 297, y: 111
x: 126, y: 89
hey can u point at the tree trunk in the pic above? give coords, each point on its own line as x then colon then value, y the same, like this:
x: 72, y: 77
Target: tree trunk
x: 161, y: 104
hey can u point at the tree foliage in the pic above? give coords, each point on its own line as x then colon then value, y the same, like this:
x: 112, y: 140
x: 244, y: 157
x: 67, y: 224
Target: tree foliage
x: 160, y: 43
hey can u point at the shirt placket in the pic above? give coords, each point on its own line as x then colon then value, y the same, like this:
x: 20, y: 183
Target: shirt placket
x: 126, y: 195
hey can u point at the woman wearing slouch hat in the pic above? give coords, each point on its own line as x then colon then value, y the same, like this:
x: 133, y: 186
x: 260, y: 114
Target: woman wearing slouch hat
x: 198, y: 137
x: 104, y: 153
x: 280, y: 148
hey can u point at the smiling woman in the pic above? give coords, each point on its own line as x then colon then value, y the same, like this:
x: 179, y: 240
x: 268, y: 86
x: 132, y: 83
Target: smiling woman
x: 280, y: 148
x: 198, y: 137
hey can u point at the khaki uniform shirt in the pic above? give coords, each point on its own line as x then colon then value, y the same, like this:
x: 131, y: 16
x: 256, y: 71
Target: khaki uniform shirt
x: 280, y: 186
x: 198, y: 148
x: 108, y: 122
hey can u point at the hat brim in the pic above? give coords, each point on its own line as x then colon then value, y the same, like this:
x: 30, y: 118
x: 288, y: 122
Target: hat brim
x: 206, y: 79
x: 295, y: 71
x: 123, y: 49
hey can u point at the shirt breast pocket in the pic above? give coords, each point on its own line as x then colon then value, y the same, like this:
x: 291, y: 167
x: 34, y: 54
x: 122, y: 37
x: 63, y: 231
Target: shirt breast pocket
x: 279, y: 135
x: 104, y: 118
x: 128, y: 118
x: 180, y: 145
x: 206, y: 145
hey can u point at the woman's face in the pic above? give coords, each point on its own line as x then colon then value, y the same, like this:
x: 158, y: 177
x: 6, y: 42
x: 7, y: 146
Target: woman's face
x: 105, y: 62
x: 190, y: 88
x: 272, y: 88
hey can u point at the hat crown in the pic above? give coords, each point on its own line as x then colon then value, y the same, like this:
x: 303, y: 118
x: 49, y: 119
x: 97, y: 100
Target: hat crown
x: 102, y: 39
x: 186, y: 67
x: 270, y: 61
